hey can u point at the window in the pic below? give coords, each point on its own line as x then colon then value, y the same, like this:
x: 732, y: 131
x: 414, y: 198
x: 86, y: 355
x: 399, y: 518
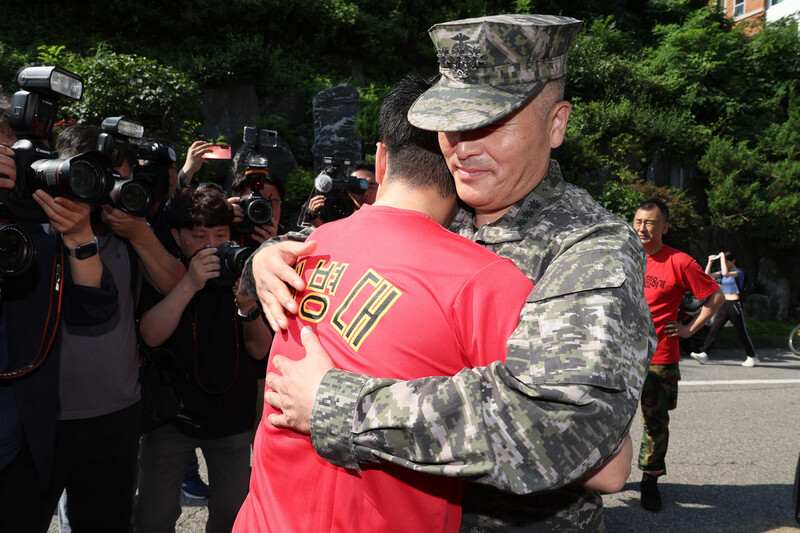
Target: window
x: 773, y: 2
x: 738, y: 8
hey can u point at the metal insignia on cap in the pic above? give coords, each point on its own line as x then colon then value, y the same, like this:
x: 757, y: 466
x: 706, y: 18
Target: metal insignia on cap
x: 461, y: 58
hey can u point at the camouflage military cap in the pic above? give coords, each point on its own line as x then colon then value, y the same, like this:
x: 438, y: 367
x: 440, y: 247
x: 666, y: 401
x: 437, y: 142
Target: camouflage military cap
x: 490, y: 67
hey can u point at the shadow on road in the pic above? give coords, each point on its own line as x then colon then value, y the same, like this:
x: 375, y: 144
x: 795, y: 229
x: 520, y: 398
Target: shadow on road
x: 704, y: 508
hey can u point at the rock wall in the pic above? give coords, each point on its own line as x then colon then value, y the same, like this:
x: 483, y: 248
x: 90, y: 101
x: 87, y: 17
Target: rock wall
x: 335, y: 113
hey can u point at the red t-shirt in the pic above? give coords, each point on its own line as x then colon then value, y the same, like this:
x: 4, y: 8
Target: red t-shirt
x: 670, y: 273
x: 391, y: 294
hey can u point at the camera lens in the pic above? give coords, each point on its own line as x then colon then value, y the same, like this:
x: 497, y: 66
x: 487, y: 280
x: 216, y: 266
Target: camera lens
x: 131, y: 196
x: 259, y: 211
x: 82, y: 176
x: 232, y: 258
x: 85, y: 181
x: 235, y: 258
x: 16, y: 250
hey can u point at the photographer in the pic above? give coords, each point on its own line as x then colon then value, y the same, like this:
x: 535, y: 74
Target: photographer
x: 100, y: 410
x: 157, y: 214
x: 213, y: 332
x: 360, y: 170
x: 271, y: 190
x: 29, y: 318
x: 366, y: 171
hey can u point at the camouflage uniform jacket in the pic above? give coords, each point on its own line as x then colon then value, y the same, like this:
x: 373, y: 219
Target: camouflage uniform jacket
x: 559, y: 406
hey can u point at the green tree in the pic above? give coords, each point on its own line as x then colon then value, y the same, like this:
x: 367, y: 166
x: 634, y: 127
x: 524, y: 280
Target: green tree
x: 756, y: 190
x: 160, y: 97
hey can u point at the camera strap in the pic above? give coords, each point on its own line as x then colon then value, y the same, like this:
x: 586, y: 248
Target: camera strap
x: 53, y: 318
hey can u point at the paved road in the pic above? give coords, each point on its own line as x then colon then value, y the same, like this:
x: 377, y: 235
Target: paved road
x: 735, y: 440
x: 733, y: 451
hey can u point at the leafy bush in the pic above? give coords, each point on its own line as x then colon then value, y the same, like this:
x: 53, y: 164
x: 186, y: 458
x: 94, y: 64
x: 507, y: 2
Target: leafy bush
x: 160, y: 97
x: 617, y: 198
x: 371, y: 99
x: 298, y: 186
x: 622, y: 198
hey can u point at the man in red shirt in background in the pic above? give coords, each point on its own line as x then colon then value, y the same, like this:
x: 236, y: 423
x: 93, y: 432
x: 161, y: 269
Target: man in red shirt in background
x: 670, y: 273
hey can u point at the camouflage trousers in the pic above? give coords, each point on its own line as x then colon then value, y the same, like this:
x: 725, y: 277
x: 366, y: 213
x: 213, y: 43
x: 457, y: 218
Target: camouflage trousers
x: 659, y: 397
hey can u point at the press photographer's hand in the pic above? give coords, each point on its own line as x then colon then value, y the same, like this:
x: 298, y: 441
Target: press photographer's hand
x: 263, y: 232
x: 194, y: 157
x: 68, y: 217
x: 122, y: 223
x: 203, y: 266
x: 8, y: 168
x: 238, y: 213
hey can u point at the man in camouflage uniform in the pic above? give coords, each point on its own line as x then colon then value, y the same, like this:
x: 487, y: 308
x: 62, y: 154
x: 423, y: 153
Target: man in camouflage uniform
x: 564, y: 399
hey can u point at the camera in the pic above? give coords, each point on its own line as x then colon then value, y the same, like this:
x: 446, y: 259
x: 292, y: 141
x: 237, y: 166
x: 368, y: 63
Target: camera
x: 232, y: 257
x: 335, y: 185
x: 127, y: 195
x: 87, y: 177
x: 149, y: 179
x: 152, y: 170
x: 256, y: 209
x: 16, y: 250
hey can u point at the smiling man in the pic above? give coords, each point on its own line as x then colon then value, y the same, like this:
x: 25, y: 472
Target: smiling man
x: 563, y: 400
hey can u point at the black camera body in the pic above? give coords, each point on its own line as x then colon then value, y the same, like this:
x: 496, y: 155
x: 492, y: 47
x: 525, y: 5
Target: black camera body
x: 336, y: 186
x: 149, y: 179
x: 153, y: 169
x: 87, y: 177
x: 232, y: 257
x: 256, y: 210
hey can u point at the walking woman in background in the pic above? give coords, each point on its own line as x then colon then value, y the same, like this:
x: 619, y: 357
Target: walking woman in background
x: 732, y: 281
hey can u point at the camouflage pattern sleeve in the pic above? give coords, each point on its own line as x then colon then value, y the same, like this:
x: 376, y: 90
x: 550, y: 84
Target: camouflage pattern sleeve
x: 247, y: 279
x: 557, y: 408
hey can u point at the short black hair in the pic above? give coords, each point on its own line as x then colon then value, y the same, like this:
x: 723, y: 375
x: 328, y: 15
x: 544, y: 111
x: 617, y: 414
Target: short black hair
x: 204, y: 206
x: 655, y: 203
x: 414, y: 154
x: 360, y: 165
x: 5, y: 109
x: 77, y: 139
x: 239, y: 183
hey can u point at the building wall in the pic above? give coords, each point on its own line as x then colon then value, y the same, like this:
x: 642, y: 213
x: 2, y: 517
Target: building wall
x: 758, y: 10
x: 754, y: 10
x: 783, y: 9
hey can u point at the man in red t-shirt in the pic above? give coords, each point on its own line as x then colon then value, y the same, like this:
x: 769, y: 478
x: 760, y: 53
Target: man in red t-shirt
x: 387, y: 279
x: 670, y: 273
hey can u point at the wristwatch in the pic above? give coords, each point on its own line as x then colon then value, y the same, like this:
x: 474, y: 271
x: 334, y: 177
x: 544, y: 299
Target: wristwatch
x: 254, y: 313
x: 83, y: 251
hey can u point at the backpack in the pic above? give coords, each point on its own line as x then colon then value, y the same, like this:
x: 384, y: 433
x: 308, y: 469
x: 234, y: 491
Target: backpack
x: 743, y: 282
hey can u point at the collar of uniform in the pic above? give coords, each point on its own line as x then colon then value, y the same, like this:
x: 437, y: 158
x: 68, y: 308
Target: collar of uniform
x: 512, y: 226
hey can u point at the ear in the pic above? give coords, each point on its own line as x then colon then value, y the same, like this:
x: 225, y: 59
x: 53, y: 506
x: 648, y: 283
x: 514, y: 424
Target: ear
x: 176, y: 235
x: 380, y: 163
x: 559, y: 115
x: 666, y: 227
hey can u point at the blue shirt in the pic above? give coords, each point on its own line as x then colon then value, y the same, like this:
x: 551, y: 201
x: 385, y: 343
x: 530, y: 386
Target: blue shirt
x: 730, y: 285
